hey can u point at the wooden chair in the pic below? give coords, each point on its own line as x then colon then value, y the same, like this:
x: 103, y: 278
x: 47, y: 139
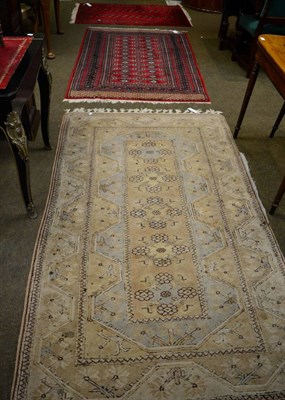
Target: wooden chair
x: 271, y: 20
x: 41, y: 12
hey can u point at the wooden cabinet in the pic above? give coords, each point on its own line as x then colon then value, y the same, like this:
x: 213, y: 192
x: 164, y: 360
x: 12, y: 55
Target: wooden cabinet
x: 10, y: 16
x: 204, y: 5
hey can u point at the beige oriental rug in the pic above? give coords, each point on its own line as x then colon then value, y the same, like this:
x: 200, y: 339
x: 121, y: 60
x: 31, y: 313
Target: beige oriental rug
x: 155, y: 274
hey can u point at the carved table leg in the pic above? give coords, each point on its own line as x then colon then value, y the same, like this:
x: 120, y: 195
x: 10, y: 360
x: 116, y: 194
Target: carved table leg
x: 18, y: 141
x: 45, y: 80
x: 250, y: 86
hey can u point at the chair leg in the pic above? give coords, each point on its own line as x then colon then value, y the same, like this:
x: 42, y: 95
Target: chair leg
x: 278, y: 197
x: 248, y: 93
x: 45, y: 12
x: 57, y: 16
x: 277, y: 122
x: 223, y: 32
x: 251, y: 59
x: 237, y: 50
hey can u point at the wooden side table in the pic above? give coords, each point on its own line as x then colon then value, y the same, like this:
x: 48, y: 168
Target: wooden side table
x: 18, y: 121
x: 270, y: 55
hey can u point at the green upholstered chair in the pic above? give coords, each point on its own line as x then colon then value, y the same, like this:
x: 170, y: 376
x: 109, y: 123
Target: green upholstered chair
x: 270, y: 20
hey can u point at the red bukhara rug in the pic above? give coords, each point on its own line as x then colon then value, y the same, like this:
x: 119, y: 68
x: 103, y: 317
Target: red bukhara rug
x: 130, y: 14
x: 136, y: 65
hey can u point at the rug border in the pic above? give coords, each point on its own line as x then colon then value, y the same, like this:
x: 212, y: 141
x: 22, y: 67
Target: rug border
x: 32, y: 283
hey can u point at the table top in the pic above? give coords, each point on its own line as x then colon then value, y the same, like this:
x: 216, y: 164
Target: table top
x: 273, y: 47
x: 26, y: 71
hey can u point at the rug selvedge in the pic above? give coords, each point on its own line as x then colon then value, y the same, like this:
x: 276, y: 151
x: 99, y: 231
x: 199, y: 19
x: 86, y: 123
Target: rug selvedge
x: 156, y: 271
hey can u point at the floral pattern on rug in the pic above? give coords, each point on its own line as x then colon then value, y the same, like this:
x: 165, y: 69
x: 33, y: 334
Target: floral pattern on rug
x: 155, y: 274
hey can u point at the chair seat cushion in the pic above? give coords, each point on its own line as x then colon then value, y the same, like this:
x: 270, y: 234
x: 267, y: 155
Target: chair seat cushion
x: 250, y: 22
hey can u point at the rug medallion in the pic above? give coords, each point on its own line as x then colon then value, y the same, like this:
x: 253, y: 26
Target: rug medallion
x: 136, y: 65
x: 155, y: 273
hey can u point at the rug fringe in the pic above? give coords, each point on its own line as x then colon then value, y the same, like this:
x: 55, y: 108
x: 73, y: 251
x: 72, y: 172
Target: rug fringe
x: 74, y: 13
x: 172, y: 2
x: 136, y: 28
x: 143, y: 110
x: 84, y: 100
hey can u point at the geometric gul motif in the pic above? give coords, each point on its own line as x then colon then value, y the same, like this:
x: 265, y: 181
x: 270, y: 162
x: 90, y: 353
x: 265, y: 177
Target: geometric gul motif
x: 161, y: 261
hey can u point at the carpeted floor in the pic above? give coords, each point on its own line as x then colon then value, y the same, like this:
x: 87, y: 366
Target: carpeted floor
x: 153, y: 259
x: 226, y: 85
